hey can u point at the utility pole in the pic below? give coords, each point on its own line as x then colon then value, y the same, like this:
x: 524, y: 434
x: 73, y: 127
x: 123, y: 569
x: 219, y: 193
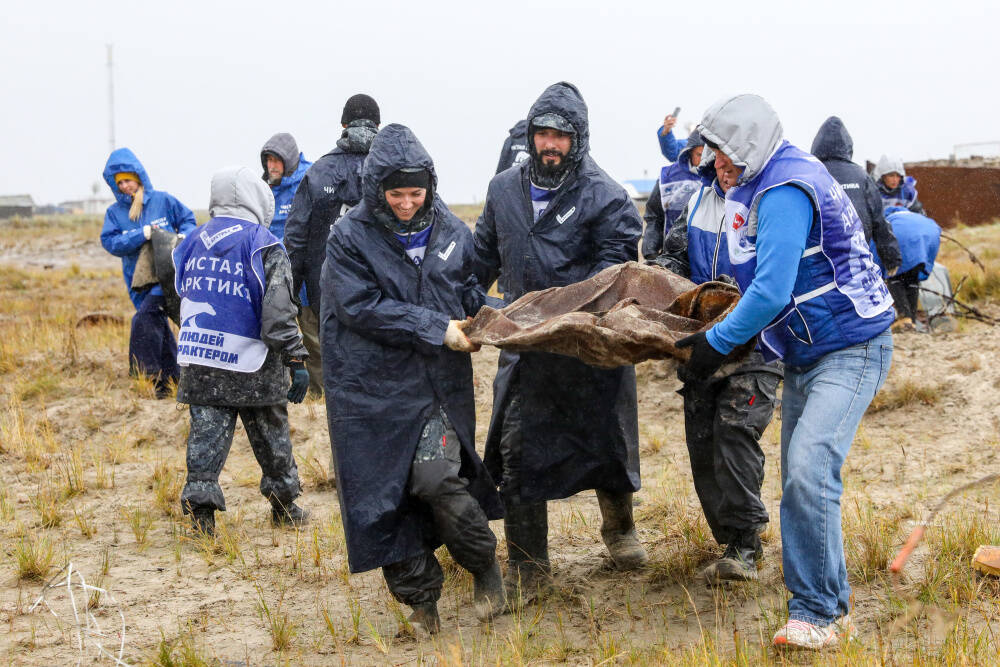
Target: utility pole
x: 111, y: 102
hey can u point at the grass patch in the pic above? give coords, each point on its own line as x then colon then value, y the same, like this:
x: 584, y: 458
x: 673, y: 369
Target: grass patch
x: 908, y: 393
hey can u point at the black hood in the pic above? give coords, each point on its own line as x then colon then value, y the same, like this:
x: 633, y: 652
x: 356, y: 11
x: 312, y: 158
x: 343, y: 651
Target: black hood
x: 833, y: 141
x: 564, y: 100
x: 395, y: 147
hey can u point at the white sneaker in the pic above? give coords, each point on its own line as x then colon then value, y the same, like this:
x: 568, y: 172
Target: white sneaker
x: 803, y: 635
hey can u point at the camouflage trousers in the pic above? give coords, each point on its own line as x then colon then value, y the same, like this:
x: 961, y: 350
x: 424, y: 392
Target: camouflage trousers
x: 208, y: 444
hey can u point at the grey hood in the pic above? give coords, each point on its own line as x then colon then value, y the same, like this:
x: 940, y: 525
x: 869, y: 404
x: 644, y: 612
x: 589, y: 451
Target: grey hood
x: 746, y: 129
x: 237, y: 193
x: 887, y: 165
x: 282, y: 145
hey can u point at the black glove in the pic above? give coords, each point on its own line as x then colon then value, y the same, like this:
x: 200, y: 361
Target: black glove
x: 300, y: 381
x: 704, y: 360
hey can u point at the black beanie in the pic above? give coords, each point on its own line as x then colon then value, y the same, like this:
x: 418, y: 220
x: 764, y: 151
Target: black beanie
x: 407, y: 178
x: 361, y: 106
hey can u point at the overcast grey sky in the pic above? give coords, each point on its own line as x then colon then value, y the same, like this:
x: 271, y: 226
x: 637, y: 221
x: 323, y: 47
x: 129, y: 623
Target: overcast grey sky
x: 201, y: 85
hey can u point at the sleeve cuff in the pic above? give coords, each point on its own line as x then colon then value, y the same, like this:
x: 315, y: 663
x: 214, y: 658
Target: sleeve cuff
x: 713, y: 339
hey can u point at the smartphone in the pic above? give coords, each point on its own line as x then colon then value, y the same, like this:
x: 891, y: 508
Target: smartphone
x: 677, y: 111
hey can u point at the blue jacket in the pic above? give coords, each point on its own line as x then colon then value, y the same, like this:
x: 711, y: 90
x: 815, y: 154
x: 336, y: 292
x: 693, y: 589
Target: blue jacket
x: 579, y: 423
x: 919, y: 239
x: 676, y: 184
x: 283, y: 193
x: 670, y: 145
x: 385, y: 367
x: 123, y: 237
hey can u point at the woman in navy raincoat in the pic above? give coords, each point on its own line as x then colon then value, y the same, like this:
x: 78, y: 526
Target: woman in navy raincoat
x: 128, y: 224
x: 397, y: 286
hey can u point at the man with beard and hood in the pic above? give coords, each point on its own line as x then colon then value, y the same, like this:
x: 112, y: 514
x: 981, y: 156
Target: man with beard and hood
x: 559, y: 426
x: 397, y: 289
x: 673, y: 189
x: 128, y: 225
x: 895, y: 187
x: 835, y: 148
x: 237, y: 347
x: 330, y: 187
x: 725, y: 415
x: 812, y: 296
x: 515, y: 147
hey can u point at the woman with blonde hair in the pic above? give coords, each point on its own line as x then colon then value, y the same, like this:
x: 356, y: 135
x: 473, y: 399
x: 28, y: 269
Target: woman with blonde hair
x: 128, y: 224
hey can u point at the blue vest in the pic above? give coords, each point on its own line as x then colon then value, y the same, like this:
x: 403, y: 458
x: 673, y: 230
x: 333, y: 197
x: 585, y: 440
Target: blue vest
x: 904, y: 195
x: 220, y: 280
x: 839, y: 298
x: 677, y: 184
x: 708, y: 254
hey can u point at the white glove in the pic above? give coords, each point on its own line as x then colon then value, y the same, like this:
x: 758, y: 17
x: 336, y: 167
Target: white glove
x: 180, y: 237
x: 455, y: 338
x: 147, y: 231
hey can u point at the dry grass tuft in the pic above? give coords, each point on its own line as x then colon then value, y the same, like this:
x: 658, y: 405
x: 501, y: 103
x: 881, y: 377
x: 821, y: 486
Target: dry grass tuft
x: 908, y: 393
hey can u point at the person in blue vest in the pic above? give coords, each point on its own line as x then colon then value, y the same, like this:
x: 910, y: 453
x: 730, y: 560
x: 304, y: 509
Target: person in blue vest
x: 670, y: 146
x: 238, y: 347
x: 515, y: 146
x: 895, y: 187
x: 128, y: 224
x: 726, y: 414
x: 919, y: 241
x: 834, y: 147
x: 813, y: 297
x: 284, y: 168
x: 559, y: 426
x: 397, y: 289
x: 673, y: 189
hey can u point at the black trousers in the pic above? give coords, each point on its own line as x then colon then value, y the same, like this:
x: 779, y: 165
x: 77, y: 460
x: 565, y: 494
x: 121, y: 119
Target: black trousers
x: 723, y: 422
x: 208, y: 445
x: 458, y: 518
x: 905, y: 291
x: 152, y: 349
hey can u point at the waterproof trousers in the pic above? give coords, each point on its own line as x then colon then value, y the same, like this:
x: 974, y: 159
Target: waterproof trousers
x: 209, y: 440
x: 724, y: 419
x: 821, y: 408
x: 309, y: 325
x: 152, y: 350
x: 905, y: 291
x: 458, y: 518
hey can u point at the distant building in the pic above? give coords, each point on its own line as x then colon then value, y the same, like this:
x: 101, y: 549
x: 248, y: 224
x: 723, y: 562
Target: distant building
x: 638, y: 188
x: 90, y: 206
x: 16, y: 205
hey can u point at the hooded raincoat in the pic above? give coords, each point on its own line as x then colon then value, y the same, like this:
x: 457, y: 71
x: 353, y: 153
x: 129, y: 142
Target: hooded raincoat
x: 283, y: 146
x: 905, y: 194
x: 123, y: 237
x: 834, y: 147
x: 385, y: 365
x: 515, y: 147
x: 579, y: 423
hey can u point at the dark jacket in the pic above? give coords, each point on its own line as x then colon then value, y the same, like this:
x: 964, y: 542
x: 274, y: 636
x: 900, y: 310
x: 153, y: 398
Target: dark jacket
x: 579, y: 423
x: 250, y: 199
x: 330, y: 187
x: 676, y: 184
x: 835, y: 148
x: 385, y: 367
x: 515, y: 147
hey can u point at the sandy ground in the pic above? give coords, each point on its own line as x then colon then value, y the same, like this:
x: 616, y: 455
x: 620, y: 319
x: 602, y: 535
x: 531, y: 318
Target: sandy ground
x: 212, y: 598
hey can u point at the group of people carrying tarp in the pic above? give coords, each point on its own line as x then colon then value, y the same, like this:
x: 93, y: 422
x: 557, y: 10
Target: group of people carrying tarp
x: 395, y: 277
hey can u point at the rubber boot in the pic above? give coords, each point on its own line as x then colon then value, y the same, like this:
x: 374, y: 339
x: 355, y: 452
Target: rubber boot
x: 293, y: 515
x: 618, y: 530
x: 738, y: 562
x: 526, y: 528
x: 203, y: 520
x: 488, y: 596
x: 425, y: 619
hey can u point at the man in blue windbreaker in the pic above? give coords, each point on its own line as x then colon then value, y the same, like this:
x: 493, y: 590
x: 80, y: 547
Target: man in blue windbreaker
x: 673, y: 189
x: 284, y: 167
x: 726, y: 414
x: 813, y: 297
x: 559, y: 426
x: 919, y: 240
x: 238, y: 345
x: 128, y: 224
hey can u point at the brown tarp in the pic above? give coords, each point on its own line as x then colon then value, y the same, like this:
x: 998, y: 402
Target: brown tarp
x: 623, y: 315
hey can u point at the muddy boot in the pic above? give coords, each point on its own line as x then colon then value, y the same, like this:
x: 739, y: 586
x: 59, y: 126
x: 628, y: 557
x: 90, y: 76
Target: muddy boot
x: 738, y: 562
x: 425, y: 619
x: 293, y: 515
x: 526, y: 528
x: 488, y: 596
x: 618, y: 530
x: 203, y: 521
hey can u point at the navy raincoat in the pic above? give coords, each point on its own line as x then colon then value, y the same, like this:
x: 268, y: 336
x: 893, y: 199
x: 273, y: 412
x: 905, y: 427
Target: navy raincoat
x: 123, y: 237
x: 579, y: 423
x: 386, y: 368
x: 515, y: 147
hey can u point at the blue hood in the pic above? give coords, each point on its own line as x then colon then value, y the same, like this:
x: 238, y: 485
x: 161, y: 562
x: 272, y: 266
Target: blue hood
x: 394, y: 147
x: 833, y: 141
x: 123, y: 159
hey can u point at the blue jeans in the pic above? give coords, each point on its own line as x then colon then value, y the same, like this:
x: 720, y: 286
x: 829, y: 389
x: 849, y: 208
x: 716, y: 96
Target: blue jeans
x: 821, y: 409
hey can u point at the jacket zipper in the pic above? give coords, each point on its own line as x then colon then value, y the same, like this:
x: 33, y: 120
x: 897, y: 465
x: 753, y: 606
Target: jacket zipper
x: 718, y: 242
